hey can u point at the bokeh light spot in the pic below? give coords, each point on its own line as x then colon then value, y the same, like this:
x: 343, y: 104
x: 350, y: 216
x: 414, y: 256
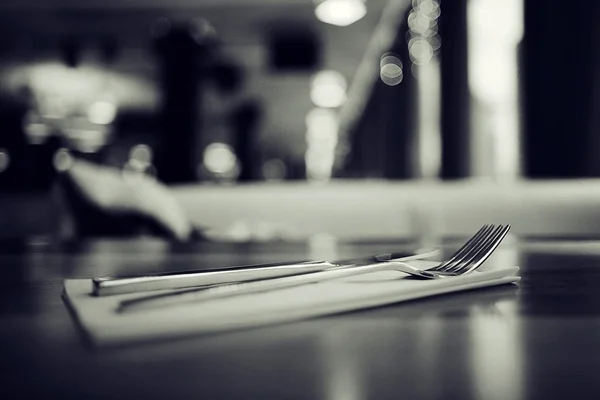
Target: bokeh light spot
x: 219, y: 158
x: 341, y: 12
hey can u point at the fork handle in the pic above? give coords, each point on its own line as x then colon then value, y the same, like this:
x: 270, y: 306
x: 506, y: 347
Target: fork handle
x: 237, y: 289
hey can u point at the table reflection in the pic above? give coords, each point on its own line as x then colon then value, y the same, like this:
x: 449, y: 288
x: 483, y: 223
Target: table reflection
x: 496, y: 338
x: 369, y: 354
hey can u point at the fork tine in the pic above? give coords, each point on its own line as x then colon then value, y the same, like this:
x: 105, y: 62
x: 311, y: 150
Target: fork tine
x: 480, y: 252
x: 460, y: 253
x: 485, y: 254
x: 472, y: 251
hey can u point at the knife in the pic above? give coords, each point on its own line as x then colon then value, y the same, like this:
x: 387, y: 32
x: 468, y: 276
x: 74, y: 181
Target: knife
x: 106, y: 286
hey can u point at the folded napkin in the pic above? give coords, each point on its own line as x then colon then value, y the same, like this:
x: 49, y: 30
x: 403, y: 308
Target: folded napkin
x: 103, y: 326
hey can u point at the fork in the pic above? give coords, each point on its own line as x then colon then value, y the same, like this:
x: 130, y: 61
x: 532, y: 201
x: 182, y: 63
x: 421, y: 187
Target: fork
x: 466, y: 259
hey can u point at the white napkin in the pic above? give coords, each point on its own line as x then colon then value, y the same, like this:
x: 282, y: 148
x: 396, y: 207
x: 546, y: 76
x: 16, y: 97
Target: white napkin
x: 103, y: 326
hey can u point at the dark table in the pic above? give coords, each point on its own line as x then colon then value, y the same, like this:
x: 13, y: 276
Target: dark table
x: 539, y: 340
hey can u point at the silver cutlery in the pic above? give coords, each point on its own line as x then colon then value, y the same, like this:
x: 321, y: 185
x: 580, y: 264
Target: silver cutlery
x: 466, y: 259
x: 106, y: 286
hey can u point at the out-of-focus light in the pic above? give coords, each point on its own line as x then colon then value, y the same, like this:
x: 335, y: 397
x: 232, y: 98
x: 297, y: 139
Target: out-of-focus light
x: 492, y: 54
x: 85, y: 136
x: 431, y: 8
x: 140, y: 158
x: 435, y: 42
x: 324, y: 139
x: 37, y: 132
x: 64, y: 89
x: 325, y: 246
x: 415, y: 71
x: 420, y: 51
x: 4, y: 160
x: 70, y: 83
x: 391, y: 74
x: 341, y: 12
x: 319, y: 119
x: 53, y: 107
x: 418, y: 22
x: 219, y: 158
x: 141, y: 153
x: 422, y: 20
x: 274, y: 170
x: 328, y: 89
x: 102, y: 112
x: 390, y: 70
x: 319, y: 157
x: 484, y: 16
x: 322, y: 126
x: 422, y: 37
x: 134, y: 166
x: 62, y: 160
x: 428, y: 142
x: 319, y: 163
x: 321, y: 139
x: 35, y: 129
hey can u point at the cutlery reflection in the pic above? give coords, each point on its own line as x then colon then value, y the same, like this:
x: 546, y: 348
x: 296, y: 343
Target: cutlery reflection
x: 104, y: 286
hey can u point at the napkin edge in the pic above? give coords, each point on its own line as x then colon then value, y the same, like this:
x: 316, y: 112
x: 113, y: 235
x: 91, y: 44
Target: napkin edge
x: 101, y: 339
x: 85, y: 334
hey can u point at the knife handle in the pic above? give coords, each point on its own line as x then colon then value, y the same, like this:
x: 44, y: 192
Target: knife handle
x: 107, y: 286
x: 244, y: 288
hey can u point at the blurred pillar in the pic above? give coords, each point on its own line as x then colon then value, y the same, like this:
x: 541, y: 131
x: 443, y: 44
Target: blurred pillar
x: 455, y: 98
x: 594, y: 143
x: 593, y: 148
x: 182, y: 50
x: 495, y: 32
x: 559, y: 50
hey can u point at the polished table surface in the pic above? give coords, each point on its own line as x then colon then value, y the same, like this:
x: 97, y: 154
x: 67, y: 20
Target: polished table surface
x: 537, y: 340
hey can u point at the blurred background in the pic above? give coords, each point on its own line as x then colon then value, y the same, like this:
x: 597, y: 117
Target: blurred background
x: 212, y: 96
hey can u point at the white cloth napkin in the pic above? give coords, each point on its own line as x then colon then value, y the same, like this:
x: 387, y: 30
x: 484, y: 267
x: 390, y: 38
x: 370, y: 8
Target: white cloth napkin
x: 104, y: 327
